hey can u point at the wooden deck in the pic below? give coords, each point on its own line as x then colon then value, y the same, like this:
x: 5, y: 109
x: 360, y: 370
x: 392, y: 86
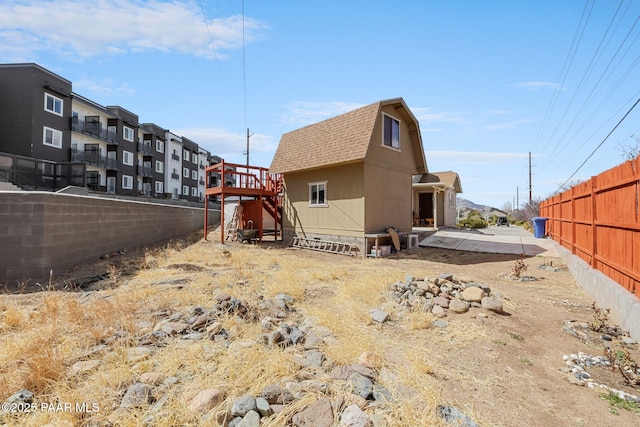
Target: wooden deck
x: 253, y: 182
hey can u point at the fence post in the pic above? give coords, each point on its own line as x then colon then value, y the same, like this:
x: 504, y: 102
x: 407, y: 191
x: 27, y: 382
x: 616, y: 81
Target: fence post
x: 594, y: 227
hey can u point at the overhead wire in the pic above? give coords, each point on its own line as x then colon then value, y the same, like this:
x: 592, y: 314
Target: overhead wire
x: 213, y: 48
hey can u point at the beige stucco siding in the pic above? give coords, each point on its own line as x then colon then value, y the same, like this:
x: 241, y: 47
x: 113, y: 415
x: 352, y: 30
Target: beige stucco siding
x: 344, y: 213
x: 388, y: 201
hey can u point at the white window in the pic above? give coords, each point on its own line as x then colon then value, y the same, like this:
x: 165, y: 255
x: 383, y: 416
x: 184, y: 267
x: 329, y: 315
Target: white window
x: 318, y: 193
x: 185, y: 172
x: 185, y: 155
x: 127, y: 133
x: 127, y: 182
x: 53, y: 104
x: 159, y: 166
x: 390, y: 132
x: 159, y: 187
x: 52, y: 137
x: 159, y: 146
x: 194, y: 174
x: 185, y: 190
x: 127, y: 158
x: 194, y: 158
x: 194, y: 191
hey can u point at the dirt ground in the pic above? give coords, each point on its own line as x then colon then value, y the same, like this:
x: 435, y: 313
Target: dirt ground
x: 511, y: 374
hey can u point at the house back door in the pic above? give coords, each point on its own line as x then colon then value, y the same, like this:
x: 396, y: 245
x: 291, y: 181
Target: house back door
x: 425, y: 205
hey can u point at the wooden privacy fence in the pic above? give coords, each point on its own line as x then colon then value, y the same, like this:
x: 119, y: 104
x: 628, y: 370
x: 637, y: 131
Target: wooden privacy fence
x: 598, y: 221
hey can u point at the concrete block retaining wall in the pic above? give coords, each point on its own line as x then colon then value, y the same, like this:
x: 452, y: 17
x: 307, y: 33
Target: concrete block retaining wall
x: 41, y: 231
x: 624, y: 306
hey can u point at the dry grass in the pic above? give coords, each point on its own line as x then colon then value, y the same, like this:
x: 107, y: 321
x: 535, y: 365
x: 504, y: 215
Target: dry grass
x: 43, y: 336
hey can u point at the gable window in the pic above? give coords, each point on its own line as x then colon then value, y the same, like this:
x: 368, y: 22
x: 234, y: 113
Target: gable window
x: 52, y: 137
x: 127, y: 158
x: 127, y: 133
x: 127, y: 182
x: 390, y: 132
x: 53, y: 104
x: 318, y: 193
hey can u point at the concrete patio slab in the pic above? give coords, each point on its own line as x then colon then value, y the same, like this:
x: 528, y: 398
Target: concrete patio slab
x: 500, y: 240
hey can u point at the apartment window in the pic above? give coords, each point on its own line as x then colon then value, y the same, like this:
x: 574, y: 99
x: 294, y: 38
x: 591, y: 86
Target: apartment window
x: 194, y: 191
x: 185, y: 190
x: 185, y: 155
x: 159, y: 146
x: 52, y: 137
x: 127, y: 158
x: 391, y: 132
x: 185, y: 172
x: 127, y: 133
x: 53, y: 104
x: 194, y: 158
x: 318, y: 194
x: 159, y: 166
x: 127, y: 182
x: 194, y: 174
x: 159, y: 187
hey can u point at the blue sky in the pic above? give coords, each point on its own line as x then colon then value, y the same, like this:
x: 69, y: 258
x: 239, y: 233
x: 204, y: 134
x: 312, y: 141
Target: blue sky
x: 489, y: 81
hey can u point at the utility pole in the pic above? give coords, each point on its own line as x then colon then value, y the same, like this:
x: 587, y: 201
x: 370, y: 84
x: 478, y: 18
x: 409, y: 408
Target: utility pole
x: 247, y: 152
x: 530, y: 198
x: 517, y: 198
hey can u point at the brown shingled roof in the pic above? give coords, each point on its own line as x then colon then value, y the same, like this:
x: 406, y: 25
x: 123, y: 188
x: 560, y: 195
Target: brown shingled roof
x: 449, y: 178
x: 340, y: 139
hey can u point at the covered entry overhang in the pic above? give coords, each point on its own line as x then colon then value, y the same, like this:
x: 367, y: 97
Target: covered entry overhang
x: 434, y: 199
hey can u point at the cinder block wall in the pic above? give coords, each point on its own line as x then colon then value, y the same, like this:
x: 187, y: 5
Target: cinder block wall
x: 40, y: 231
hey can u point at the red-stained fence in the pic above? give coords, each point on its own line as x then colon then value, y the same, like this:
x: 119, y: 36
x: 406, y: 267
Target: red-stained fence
x: 599, y: 221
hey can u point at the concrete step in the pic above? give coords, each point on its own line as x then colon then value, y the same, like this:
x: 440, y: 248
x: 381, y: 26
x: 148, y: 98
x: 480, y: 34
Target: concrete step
x: 7, y: 186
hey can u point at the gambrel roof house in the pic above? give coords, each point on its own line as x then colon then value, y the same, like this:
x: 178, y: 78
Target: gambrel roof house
x: 351, y: 175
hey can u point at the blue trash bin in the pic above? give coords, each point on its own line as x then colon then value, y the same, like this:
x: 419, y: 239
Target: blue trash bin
x: 539, y: 224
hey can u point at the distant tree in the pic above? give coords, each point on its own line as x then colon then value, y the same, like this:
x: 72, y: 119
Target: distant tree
x: 529, y: 210
x: 506, y: 207
x: 631, y: 151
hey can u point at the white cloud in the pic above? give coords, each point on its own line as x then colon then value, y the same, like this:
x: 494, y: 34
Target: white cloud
x: 428, y: 115
x: 539, y: 85
x: 87, y: 29
x: 105, y: 87
x: 302, y: 113
x: 231, y: 146
x: 508, y: 125
x: 470, y: 157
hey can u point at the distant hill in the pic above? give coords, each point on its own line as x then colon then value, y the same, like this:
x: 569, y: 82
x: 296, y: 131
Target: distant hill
x: 466, y: 205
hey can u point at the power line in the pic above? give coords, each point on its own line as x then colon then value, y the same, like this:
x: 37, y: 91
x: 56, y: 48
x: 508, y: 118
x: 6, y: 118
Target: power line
x: 599, y: 145
x: 213, y: 48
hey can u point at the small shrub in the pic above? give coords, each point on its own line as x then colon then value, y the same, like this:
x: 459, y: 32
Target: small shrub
x: 519, y: 267
x: 473, y: 223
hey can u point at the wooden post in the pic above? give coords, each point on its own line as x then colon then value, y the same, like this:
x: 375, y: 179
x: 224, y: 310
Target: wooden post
x: 594, y: 226
x: 222, y: 218
x: 206, y: 214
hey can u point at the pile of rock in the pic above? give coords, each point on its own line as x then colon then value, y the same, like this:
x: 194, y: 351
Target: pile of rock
x: 442, y: 295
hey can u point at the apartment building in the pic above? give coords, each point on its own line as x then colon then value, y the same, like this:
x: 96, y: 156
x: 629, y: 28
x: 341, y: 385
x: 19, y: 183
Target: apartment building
x: 56, y: 132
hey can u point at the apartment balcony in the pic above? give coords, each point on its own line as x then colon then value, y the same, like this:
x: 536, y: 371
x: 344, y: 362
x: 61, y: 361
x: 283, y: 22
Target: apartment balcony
x: 201, y: 166
x: 201, y: 181
x: 175, y: 157
x: 94, y: 129
x: 94, y: 158
x: 146, y: 149
x: 175, y: 176
x: 145, y: 171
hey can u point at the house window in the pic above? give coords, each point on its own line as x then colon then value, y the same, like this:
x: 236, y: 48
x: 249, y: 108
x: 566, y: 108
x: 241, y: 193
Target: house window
x: 391, y: 132
x: 159, y: 187
x: 318, y: 194
x: 52, y: 137
x: 127, y: 133
x: 159, y: 146
x: 452, y: 201
x: 53, y: 104
x: 127, y: 182
x: 127, y: 158
x: 194, y: 174
x: 194, y: 191
x: 185, y: 172
x: 185, y: 190
x: 159, y: 166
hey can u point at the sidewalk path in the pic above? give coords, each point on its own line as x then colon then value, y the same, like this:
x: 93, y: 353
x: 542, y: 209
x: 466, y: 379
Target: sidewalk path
x: 499, y: 240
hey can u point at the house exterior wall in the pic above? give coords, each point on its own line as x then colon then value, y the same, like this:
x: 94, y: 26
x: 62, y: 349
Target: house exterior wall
x: 388, y: 200
x: 343, y: 217
x: 450, y: 209
x: 173, y: 165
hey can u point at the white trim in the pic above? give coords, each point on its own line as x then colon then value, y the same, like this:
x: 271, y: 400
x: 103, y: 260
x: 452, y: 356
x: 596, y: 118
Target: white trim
x: 127, y: 182
x: 124, y: 133
x: 318, y: 205
x: 55, y: 98
x: 127, y: 154
x: 159, y: 166
x: 56, y: 137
